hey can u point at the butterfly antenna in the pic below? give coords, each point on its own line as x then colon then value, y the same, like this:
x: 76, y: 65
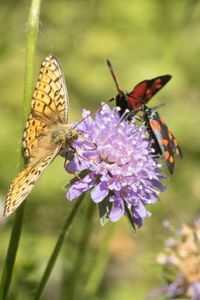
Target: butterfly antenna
x: 113, y: 75
x: 84, y: 119
x: 91, y: 113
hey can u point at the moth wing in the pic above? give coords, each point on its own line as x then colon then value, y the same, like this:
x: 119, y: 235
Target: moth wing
x: 145, y: 90
x: 165, y: 147
x: 167, y: 134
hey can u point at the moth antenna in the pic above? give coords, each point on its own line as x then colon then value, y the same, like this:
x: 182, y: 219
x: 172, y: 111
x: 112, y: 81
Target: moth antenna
x: 159, y: 105
x: 113, y: 76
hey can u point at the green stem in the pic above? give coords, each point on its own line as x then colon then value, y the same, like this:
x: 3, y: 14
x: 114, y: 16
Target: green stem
x: 11, y: 253
x: 99, y: 265
x: 57, y: 249
x: 79, y: 262
x: 32, y: 33
x: 32, y: 30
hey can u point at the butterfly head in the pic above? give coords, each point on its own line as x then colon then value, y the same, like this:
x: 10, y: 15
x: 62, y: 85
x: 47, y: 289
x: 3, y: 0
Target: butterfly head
x: 64, y: 135
x: 71, y: 134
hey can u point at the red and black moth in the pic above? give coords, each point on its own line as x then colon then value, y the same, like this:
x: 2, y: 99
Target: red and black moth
x: 164, y: 141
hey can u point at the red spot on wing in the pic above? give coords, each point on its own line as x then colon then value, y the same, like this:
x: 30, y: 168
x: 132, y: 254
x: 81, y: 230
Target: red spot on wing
x: 155, y: 125
x: 136, y: 97
x: 175, y: 142
x: 165, y: 142
x: 166, y: 155
x: 170, y: 135
x: 148, y: 92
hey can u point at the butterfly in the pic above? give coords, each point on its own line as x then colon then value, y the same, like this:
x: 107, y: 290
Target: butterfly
x: 164, y: 141
x: 46, y: 133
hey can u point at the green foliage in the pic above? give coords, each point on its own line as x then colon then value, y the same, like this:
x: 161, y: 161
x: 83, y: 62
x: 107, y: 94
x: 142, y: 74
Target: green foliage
x: 143, y: 39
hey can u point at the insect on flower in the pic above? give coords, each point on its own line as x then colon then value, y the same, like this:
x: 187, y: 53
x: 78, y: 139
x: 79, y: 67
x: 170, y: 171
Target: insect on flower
x: 46, y: 134
x: 164, y: 141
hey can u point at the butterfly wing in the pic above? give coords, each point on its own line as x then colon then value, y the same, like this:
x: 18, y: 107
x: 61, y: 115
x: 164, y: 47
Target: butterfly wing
x: 23, y: 184
x: 145, y: 90
x: 49, y: 106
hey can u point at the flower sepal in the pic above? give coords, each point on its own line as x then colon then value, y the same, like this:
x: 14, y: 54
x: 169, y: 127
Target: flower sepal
x: 130, y: 217
x: 104, y: 208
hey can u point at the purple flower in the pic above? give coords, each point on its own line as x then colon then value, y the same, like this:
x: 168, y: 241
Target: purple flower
x: 176, y: 288
x: 194, y: 290
x: 116, y: 163
x: 181, y: 261
x: 180, y: 288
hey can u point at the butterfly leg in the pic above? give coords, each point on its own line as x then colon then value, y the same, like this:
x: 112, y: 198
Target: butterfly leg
x: 65, y: 161
x: 75, y: 151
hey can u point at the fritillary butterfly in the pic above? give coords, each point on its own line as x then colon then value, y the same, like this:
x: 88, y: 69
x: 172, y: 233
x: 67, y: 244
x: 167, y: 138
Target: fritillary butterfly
x: 46, y: 133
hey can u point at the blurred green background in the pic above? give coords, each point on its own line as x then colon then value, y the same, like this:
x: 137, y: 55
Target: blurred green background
x: 143, y: 39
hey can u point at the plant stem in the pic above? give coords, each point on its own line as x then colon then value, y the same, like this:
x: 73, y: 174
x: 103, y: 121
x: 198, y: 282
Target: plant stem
x: 57, y: 248
x: 11, y: 253
x: 32, y: 31
x: 99, y: 264
x: 79, y: 262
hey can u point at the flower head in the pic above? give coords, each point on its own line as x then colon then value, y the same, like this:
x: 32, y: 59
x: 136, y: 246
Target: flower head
x: 181, y: 258
x: 117, y: 164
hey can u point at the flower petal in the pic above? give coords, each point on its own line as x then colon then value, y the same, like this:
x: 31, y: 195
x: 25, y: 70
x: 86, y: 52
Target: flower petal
x: 79, y: 187
x: 99, y: 192
x: 118, y: 208
x: 139, y: 213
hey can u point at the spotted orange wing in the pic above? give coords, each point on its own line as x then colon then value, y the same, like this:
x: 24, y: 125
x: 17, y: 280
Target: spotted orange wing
x: 49, y: 106
x: 166, y: 141
x: 23, y: 184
